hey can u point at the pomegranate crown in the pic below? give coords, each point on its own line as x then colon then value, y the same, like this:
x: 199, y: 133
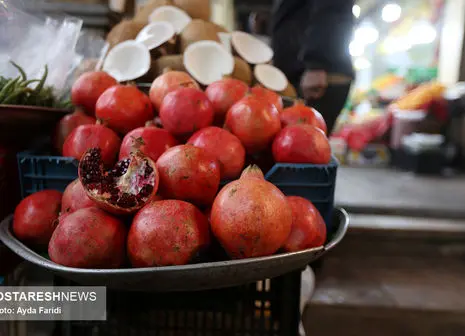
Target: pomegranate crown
x: 252, y: 171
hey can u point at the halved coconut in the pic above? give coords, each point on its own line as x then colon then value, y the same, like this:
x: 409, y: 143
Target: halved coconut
x: 199, y: 30
x: 197, y: 9
x: 250, y: 48
x: 270, y: 77
x: 172, y: 62
x: 127, y: 61
x: 208, y: 61
x: 143, y: 11
x: 156, y: 34
x: 225, y: 39
x: 124, y: 31
x: 242, y: 71
x: 177, y: 17
x: 290, y: 91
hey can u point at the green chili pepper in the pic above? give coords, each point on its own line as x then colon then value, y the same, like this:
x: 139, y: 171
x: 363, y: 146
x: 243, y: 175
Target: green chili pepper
x: 11, y: 98
x: 7, y: 88
x: 21, y: 71
x: 42, y: 80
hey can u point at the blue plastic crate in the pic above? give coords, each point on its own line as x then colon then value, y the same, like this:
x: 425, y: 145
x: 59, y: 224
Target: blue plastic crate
x: 39, y: 172
x: 313, y: 182
x: 316, y: 183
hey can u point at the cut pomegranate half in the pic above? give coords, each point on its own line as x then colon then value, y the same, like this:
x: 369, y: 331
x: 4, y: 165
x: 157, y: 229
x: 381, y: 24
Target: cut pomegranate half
x: 126, y: 188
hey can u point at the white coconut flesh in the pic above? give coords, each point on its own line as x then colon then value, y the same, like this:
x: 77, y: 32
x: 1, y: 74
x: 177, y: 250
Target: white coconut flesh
x: 207, y: 61
x: 225, y: 39
x: 176, y: 16
x: 270, y: 77
x: 156, y: 34
x: 127, y: 61
x: 250, y: 48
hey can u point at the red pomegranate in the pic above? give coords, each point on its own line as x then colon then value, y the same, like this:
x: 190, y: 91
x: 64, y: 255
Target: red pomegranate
x: 36, y: 216
x: 132, y: 183
x: 88, y: 136
x: 167, y: 82
x: 185, y: 111
x: 190, y: 174
x: 301, y: 143
x: 224, y: 146
x: 88, y: 88
x: 298, y: 114
x: 153, y: 141
x: 67, y: 124
x: 124, y: 108
x: 223, y: 94
x: 320, y: 121
x: 308, y: 227
x: 272, y: 97
x: 88, y: 238
x: 254, y: 121
x: 251, y: 217
x: 167, y: 233
x: 75, y: 198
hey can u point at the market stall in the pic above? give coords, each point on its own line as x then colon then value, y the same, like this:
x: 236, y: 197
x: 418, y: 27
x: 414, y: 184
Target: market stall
x: 172, y: 165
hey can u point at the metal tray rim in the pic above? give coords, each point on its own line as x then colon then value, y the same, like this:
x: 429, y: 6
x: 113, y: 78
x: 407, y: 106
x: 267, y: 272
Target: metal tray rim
x: 26, y: 253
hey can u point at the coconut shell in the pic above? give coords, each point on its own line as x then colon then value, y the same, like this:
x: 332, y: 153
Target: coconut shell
x: 197, y: 9
x: 123, y: 31
x: 290, y: 91
x: 242, y: 71
x: 143, y: 12
x: 200, y: 30
x: 173, y: 62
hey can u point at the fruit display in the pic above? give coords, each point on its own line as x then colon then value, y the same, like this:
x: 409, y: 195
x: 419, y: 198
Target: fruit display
x: 180, y: 37
x: 154, y: 169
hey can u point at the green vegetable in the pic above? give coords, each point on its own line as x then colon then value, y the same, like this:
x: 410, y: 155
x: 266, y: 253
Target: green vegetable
x: 17, y: 91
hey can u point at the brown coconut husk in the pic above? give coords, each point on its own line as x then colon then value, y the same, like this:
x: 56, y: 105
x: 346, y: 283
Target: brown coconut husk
x: 123, y: 31
x: 290, y: 91
x: 200, y: 30
x: 197, y: 9
x: 143, y: 12
x: 172, y: 62
x: 242, y: 71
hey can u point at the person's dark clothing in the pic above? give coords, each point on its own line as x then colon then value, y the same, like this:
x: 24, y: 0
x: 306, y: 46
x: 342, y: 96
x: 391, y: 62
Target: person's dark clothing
x: 315, y: 35
x: 312, y: 34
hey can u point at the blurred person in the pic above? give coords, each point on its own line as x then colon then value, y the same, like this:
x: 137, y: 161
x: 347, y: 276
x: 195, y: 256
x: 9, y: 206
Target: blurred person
x: 310, y: 39
x: 258, y: 23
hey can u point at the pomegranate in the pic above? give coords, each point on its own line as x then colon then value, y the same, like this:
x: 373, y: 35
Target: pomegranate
x: 270, y: 96
x: 224, y: 146
x: 250, y: 216
x: 223, y: 94
x: 88, y: 87
x: 301, y: 143
x: 189, y: 173
x: 89, y: 136
x: 67, y: 124
x: 36, y: 216
x: 185, y: 111
x: 298, y: 114
x: 167, y: 82
x: 320, y: 121
x: 124, y: 108
x: 308, y: 227
x: 126, y: 188
x: 167, y: 233
x: 88, y: 238
x: 254, y: 121
x: 153, y: 141
x: 75, y: 198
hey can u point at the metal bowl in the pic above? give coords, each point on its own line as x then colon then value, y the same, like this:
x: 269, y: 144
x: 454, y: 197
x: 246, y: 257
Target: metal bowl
x: 191, y: 277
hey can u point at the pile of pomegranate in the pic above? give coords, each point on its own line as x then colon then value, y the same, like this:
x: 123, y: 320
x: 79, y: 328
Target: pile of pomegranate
x: 150, y: 167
